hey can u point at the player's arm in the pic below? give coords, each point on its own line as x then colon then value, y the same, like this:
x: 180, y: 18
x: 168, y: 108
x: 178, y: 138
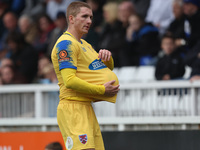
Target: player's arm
x: 106, y: 57
x: 71, y: 81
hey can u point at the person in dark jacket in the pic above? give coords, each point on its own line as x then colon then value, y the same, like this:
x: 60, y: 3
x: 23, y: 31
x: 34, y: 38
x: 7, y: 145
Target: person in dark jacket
x: 171, y: 65
x: 112, y: 35
x: 192, y: 59
x: 176, y: 27
x: 143, y: 40
x: 23, y: 55
x: 192, y: 11
x: 192, y: 22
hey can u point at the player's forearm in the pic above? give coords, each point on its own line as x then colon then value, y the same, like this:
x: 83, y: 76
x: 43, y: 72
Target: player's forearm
x: 110, y: 63
x: 71, y: 81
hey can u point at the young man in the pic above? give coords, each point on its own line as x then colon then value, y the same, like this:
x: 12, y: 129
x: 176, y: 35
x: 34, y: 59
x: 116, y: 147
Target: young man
x: 84, y: 76
x: 171, y: 65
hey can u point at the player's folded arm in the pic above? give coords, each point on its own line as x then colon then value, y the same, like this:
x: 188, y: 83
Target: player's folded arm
x: 71, y: 81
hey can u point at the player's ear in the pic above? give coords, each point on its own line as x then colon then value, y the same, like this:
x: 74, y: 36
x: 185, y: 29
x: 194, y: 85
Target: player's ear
x: 71, y: 19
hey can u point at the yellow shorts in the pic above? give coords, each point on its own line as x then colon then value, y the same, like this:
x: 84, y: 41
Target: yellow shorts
x: 79, y: 126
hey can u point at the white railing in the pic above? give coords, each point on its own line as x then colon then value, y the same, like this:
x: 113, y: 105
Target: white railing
x: 170, y: 102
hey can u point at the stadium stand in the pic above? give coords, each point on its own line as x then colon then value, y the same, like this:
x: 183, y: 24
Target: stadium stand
x: 140, y: 105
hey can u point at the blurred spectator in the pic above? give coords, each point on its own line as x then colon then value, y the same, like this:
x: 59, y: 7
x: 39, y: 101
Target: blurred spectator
x: 55, y: 6
x: 112, y: 35
x: 125, y: 10
x: 61, y: 26
x: 192, y: 59
x: 6, y: 62
x: 46, y: 72
x: 23, y: 55
x: 160, y: 14
x: 192, y: 21
x: 7, y: 75
x: 34, y: 8
x: 192, y: 33
x: 10, y: 22
x: 49, y: 75
x: 141, y: 7
x: 3, y: 9
x: 46, y: 26
x: 97, y: 14
x: 176, y: 27
x: 42, y: 62
x: 28, y: 29
x: 54, y: 146
x: 93, y: 35
x: 171, y: 65
x: 143, y: 41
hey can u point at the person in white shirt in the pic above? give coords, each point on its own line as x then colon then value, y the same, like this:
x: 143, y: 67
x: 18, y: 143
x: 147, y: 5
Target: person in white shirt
x: 160, y: 14
x: 55, y: 6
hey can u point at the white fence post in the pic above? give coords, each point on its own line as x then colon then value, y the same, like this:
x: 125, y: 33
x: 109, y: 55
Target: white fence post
x: 38, y: 104
x: 192, y: 102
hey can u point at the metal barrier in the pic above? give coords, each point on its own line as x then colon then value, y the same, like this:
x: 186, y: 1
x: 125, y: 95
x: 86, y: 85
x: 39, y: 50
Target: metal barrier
x: 150, y: 103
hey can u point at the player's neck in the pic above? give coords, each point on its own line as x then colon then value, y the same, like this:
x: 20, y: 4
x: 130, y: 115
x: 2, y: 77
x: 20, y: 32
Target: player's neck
x: 75, y: 34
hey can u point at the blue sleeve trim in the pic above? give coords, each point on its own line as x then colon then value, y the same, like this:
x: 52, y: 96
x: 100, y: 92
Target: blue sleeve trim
x: 66, y: 64
x: 72, y: 67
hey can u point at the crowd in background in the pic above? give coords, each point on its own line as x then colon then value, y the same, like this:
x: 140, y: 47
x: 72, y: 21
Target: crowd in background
x: 164, y: 34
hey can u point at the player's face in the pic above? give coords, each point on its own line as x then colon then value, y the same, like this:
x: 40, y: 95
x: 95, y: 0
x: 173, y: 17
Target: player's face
x: 83, y: 20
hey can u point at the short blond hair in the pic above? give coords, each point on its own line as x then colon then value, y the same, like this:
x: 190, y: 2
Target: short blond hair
x: 111, y: 8
x: 74, y: 8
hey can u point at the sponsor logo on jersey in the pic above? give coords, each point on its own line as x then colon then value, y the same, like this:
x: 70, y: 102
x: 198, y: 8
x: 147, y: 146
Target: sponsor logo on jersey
x: 63, y: 56
x: 69, y: 143
x: 83, y: 138
x: 63, y: 49
x: 97, y: 65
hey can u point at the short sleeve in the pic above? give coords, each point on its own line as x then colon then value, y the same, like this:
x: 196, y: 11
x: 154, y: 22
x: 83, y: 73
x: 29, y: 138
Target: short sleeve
x: 66, y: 54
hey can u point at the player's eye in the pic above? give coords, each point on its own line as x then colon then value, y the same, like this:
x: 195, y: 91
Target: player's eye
x: 85, y: 16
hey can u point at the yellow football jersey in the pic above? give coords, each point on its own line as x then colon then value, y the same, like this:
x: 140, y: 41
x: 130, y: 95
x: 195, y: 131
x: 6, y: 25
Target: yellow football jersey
x: 70, y: 53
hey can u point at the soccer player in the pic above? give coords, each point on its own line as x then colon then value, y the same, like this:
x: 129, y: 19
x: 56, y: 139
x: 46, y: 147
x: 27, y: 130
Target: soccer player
x: 84, y: 77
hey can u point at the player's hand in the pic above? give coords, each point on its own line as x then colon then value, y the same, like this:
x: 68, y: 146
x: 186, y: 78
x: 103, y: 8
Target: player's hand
x: 104, y: 54
x: 110, y: 89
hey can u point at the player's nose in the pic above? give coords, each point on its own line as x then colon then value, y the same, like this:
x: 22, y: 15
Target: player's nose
x: 89, y: 20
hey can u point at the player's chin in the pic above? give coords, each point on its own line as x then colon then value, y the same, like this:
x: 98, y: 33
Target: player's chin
x: 85, y: 31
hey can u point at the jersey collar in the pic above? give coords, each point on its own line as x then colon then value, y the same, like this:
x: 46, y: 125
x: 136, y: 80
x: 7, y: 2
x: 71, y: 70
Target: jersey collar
x: 68, y: 33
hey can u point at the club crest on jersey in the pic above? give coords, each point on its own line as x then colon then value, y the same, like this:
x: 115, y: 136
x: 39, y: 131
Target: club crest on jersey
x: 83, y: 138
x: 97, y: 65
x: 63, y: 56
